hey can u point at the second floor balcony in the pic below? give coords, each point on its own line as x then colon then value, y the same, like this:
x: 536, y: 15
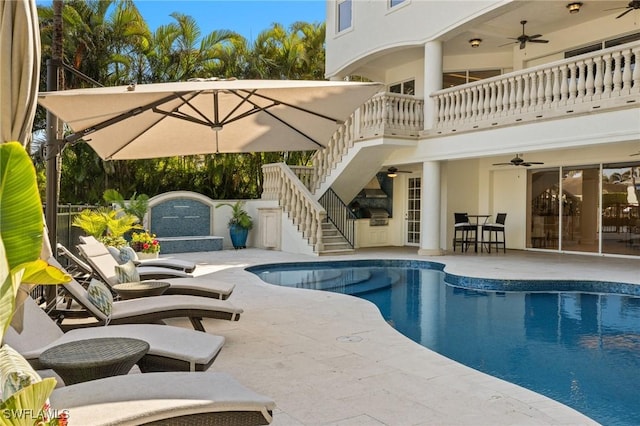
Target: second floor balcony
x: 600, y: 81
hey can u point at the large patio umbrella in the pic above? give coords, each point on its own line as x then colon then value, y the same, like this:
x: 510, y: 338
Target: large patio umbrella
x: 19, y: 69
x: 207, y: 116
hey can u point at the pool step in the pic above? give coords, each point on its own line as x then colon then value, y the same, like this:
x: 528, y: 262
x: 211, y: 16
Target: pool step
x: 334, y: 243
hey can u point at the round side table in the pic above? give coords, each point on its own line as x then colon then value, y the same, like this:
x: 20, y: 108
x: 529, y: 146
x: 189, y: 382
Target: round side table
x: 91, y: 359
x: 134, y: 290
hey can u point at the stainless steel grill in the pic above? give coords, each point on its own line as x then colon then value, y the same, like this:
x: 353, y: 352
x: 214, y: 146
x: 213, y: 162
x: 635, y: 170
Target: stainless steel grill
x: 379, y: 217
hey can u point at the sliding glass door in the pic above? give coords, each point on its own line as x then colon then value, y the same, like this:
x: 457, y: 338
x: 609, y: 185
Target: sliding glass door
x: 590, y: 208
x: 620, y: 209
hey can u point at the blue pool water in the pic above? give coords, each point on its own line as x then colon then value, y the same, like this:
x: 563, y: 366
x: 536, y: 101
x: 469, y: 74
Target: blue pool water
x: 579, y: 348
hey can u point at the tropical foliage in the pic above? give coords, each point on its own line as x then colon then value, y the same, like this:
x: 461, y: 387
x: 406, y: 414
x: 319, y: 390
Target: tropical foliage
x: 110, y: 42
x: 21, y: 241
x: 107, y: 225
x: 239, y: 216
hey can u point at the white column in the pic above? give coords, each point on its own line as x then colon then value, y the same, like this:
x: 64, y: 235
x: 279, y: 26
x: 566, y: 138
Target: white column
x: 432, y: 79
x: 430, y: 211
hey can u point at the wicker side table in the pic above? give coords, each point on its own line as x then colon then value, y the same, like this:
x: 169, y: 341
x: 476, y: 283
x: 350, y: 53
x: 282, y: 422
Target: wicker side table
x: 140, y: 289
x: 92, y: 359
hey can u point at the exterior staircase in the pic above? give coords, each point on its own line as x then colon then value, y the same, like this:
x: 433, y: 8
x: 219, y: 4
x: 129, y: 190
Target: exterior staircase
x: 352, y: 157
x: 334, y: 242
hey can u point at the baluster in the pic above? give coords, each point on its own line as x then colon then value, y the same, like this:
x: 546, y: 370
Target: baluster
x: 505, y: 97
x: 608, y: 75
x: 498, y: 94
x: 456, y: 106
x: 518, y: 94
x: 548, y: 87
x: 523, y: 83
x: 442, y: 108
x: 480, y: 112
x: 451, y: 107
x: 572, y: 82
x: 636, y: 70
x: 492, y: 98
x: 540, y: 93
x: 533, y: 97
x: 598, y: 78
x: 487, y: 100
x: 617, y: 72
x: 589, y: 83
x: 514, y: 90
x: 564, y: 84
x: 581, y: 80
x: 319, y: 219
x: 402, y: 113
x: 626, y: 74
x: 469, y: 104
x: 555, y: 92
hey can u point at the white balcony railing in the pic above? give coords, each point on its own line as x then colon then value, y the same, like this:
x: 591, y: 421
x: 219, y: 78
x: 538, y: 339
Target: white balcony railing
x: 606, y: 79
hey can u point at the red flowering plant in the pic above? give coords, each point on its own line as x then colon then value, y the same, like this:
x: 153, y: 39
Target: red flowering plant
x: 144, y: 242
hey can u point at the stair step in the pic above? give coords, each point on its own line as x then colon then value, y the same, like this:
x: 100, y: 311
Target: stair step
x: 336, y: 252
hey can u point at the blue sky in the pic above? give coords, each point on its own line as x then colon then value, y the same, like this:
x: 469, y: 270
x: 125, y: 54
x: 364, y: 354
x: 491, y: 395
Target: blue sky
x: 247, y: 17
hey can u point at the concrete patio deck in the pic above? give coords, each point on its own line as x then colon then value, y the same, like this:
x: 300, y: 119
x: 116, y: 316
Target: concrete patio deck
x: 330, y: 359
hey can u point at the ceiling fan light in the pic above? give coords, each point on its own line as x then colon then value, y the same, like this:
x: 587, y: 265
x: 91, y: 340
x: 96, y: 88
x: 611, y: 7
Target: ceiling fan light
x: 574, y: 7
x: 392, y: 174
x: 475, y: 42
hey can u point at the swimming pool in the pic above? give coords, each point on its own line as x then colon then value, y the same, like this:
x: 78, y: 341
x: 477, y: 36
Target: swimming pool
x: 575, y: 342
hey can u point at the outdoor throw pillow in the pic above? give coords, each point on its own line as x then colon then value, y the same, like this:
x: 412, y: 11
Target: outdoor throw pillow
x: 127, y: 254
x: 101, y: 298
x: 116, y: 254
x: 15, y: 372
x: 127, y: 273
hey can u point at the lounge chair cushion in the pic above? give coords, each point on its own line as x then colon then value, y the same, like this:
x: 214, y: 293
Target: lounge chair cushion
x: 192, y: 350
x: 100, y: 296
x: 149, y: 397
x: 127, y: 273
x: 15, y: 372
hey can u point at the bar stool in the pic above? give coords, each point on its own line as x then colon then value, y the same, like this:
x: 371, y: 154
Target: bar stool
x: 494, y: 230
x: 464, y: 233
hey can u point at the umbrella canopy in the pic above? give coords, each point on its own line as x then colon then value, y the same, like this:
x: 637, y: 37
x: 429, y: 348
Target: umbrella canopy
x: 19, y: 69
x: 207, y: 116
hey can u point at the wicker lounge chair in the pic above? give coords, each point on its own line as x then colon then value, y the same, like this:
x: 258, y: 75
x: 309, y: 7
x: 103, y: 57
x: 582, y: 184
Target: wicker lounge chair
x: 149, y: 310
x: 170, y: 348
x: 174, y: 398
x: 104, y: 265
x: 177, y: 264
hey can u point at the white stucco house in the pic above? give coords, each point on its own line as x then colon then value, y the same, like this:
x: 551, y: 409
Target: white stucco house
x: 466, y: 91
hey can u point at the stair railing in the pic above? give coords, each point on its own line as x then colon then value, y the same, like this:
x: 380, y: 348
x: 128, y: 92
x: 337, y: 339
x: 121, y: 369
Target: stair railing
x: 340, y: 215
x: 281, y: 184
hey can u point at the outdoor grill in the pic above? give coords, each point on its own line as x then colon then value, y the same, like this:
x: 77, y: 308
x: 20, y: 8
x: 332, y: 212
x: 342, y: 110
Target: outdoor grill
x: 379, y: 217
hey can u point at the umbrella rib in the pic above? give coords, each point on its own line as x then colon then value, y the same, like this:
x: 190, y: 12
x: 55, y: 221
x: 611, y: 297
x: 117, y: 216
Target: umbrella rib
x: 277, y: 102
x: 131, y: 113
x: 258, y: 108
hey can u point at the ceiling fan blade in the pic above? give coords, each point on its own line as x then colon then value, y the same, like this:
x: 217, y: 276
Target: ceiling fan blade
x: 535, y: 36
x: 624, y: 13
x: 507, y: 44
x: 534, y: 162
x: 615, y: 8
x: 502, y: 164
x: 633, y: 155
x: 538, y: 41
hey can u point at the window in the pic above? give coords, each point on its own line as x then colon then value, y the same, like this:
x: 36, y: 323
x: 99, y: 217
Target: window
x: 456, y: 78
x: 602, y: 45
x: 394, y: 3
x: 406, y: 87
x: 344, y: 15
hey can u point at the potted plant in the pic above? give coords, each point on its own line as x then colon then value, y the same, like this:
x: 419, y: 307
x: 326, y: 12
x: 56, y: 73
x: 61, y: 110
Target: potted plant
x: 21, y: 244
x: 145, y: 245
x: 239, y: 224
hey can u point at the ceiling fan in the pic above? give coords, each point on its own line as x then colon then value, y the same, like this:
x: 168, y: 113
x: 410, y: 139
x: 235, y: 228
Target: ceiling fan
x: 523, y: 39
x: 518, y: 161
x: 393, y: 172
x: 633, y: 5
